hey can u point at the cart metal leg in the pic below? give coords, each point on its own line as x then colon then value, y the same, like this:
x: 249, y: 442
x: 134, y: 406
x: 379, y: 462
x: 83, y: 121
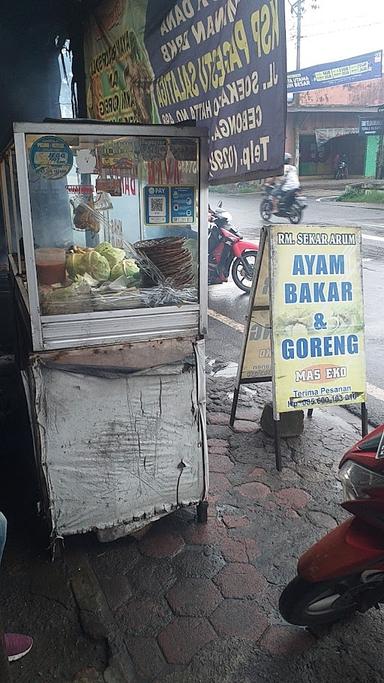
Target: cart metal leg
x: 364, y: 419
x: 202, y: 512
x: 276, y: 424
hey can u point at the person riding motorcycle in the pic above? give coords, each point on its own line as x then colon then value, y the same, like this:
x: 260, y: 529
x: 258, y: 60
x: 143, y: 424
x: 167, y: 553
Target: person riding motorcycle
x: 289, y: 183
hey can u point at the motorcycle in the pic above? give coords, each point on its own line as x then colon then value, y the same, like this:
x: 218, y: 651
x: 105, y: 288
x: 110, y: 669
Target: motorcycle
x: 344, y: 571
x: 228, y: 252
x: 341, y: 170
x: 291, y: 206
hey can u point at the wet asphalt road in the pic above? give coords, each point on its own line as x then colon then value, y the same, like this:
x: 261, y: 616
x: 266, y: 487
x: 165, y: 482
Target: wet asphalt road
x: 224, y: 339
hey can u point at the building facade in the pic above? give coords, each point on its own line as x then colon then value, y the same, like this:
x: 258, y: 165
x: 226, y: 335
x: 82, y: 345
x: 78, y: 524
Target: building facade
x: 328, y: 124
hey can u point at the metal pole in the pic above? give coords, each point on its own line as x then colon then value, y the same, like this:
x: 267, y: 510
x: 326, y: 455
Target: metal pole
x: 364, y: 419
x: 298, y: 9
x: 234, y: 406
x: 276, y: 425
x: 298, y: 32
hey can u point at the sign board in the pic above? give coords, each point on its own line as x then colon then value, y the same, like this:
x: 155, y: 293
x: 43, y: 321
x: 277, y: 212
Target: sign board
x: 182, y: 204
x: 156, y: 203
x: 256, y: 362
x: 318, y: 321
x: 51, y: 157
x: 305, y: 324
x: 361, y: 68
x: 220, y: 63
x: 371, y: 125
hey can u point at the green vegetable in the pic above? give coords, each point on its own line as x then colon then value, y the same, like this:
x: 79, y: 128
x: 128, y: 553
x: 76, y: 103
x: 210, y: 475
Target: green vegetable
x: 74, y: 265
x: 112, y: 254
x: 72, y: 299
x: 126, y: 267
x: 96, y: 265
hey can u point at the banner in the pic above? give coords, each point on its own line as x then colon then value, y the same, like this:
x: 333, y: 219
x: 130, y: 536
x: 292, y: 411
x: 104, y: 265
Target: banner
x: 371, y: 124
x: 361, y: 68
x: 317, y: 314
x: 256, y: 362
x: 219, y: 62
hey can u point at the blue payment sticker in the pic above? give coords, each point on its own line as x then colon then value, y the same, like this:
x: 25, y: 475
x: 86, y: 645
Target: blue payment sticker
x: 156, y: 200
x: 182, y: 204
x: 51, y: 157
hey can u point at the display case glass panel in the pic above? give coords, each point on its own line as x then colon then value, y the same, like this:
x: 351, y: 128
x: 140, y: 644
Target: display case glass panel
x: 115, y: 221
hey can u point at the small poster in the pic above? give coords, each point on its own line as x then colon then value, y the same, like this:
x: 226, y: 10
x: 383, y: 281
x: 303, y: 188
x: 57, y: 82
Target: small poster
x: 182, y: 204
x: 156, y: 201
x: 110, y: 185
x: 51, y: 157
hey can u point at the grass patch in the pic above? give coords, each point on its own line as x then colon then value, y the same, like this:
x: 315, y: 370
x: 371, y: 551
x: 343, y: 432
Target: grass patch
x: 363, y: 196
x: 246, y: 187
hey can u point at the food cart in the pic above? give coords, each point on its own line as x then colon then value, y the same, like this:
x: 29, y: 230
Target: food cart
x: 107, y: 232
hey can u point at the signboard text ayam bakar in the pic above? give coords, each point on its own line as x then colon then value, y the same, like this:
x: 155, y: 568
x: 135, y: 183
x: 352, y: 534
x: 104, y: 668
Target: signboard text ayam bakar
x: 317, y: 313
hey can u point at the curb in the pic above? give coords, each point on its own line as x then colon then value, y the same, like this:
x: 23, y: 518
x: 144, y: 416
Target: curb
x: 98, y: 623
x: 359, y: 205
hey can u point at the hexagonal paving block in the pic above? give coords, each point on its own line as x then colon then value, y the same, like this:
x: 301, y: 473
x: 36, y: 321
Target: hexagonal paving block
x: 233, y: 550
x: 153, y: 576
x: 254, y: 490
x: 210, y: 533
x: 220, y: 463
x: 147, y: 656
x: 181, y: 639
x: 291, y: 497
x: 161, y: 542
x: 144, y: 616
x: 283, y: 641
x: 239, y: 618
x: 198, y: 562
x: 240, y: 580
x: 218, y: 483
x: 235, y: 522
x: 194, y: 597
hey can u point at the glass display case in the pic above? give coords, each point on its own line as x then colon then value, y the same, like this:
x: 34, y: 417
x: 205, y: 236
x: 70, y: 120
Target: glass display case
x: 107, y: 231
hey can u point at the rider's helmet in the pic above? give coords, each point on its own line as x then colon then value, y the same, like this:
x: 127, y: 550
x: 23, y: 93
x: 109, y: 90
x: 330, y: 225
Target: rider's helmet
x: 287, y: 158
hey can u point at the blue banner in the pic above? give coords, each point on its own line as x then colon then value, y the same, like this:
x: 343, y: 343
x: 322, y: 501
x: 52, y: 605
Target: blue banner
x: 360, y: 68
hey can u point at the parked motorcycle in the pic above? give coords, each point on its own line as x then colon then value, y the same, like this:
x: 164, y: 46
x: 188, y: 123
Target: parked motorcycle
x: 291, y: 206
x: 228, y: 252
x: 344, y: 571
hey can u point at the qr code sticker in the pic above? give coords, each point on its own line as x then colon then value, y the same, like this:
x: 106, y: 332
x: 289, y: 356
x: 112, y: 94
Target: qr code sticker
x: 157, y: 206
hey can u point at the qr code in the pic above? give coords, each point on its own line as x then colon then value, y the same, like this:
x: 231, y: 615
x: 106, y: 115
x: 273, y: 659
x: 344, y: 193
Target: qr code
x: 157, y: 206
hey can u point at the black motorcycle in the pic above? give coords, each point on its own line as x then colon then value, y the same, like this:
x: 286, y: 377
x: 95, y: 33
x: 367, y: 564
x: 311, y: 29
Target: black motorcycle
x: 290, y: 206
x: 341, y: 170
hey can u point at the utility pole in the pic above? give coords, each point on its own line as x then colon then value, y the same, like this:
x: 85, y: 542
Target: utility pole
x: 297, y: 8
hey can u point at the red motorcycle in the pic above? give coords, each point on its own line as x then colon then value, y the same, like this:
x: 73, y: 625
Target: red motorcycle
x: 344, y: 572
x: 228, y: 252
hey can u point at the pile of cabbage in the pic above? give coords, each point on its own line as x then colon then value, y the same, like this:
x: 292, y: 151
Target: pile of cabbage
x: 94, y: 273
x: 102, y: 264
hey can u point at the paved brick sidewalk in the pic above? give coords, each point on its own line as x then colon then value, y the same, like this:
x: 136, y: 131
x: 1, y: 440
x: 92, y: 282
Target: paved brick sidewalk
x: 190, y: 603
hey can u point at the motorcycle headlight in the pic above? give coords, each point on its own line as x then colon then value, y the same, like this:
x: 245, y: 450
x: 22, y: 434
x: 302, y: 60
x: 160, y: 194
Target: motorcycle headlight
x: 357, y: 480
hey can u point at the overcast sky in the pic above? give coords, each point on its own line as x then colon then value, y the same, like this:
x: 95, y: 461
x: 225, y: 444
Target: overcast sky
x: 337, y: 30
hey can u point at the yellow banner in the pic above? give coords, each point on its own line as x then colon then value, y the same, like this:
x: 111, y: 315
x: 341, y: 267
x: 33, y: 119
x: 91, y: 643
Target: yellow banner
x: 257, y: 354
x: 317, y: 312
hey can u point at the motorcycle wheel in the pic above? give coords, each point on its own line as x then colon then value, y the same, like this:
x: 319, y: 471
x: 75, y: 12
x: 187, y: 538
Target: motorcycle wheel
x: 304, y: 604
x: 266, y: 209
x: 294, y: 214
x: 243, y: 269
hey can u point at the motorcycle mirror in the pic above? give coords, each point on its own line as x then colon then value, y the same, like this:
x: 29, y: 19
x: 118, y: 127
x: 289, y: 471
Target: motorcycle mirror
x: 220, y: 204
